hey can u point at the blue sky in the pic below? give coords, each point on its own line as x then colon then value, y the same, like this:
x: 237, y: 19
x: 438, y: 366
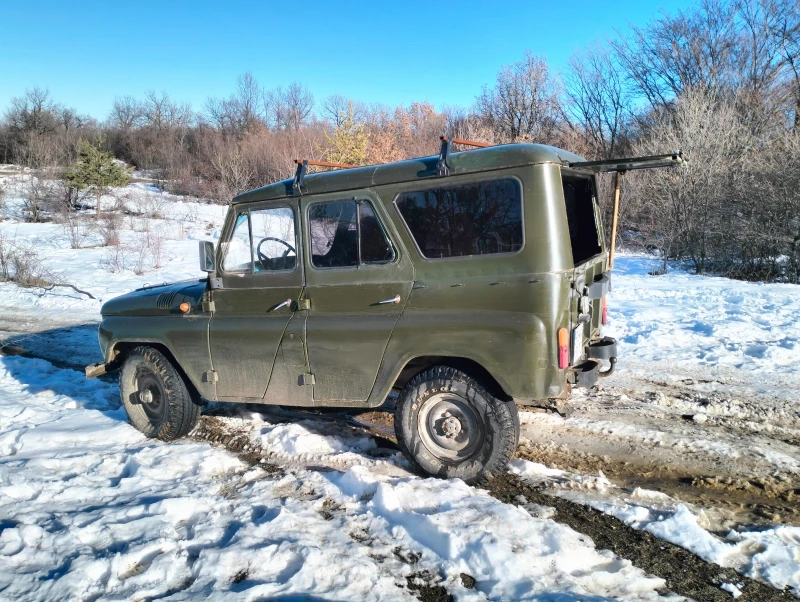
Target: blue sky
x: 86, y: 53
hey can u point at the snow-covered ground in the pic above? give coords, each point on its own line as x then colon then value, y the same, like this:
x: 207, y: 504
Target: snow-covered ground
x: 717, y: 329
x: 91, y: 509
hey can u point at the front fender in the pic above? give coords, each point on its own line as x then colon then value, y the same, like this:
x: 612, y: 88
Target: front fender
x: 185, y: 337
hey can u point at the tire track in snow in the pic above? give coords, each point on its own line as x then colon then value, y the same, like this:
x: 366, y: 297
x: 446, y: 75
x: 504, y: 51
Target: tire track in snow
x: 685, y: 573
x: 644, y: 550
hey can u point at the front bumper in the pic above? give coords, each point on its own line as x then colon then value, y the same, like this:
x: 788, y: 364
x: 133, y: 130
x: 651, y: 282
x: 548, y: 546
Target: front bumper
x: 95, y: 370
x: 587, y: 372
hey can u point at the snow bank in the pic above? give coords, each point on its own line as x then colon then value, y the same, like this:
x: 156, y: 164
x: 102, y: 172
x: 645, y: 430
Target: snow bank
x: 106, y: 272
x: 772, y: 555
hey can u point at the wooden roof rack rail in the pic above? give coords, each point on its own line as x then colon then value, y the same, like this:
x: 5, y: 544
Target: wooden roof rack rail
x: 302, y: 170
x: 444, y: 153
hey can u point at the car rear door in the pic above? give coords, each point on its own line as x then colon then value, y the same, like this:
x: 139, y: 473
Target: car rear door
x: 358, y: 280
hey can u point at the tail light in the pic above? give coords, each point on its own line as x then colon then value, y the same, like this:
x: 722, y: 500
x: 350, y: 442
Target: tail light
x: 605, y: 312
x: 563, y: 348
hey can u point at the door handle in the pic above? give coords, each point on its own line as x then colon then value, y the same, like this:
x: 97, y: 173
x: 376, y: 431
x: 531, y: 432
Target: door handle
x: 395, y: 299
x: 282, y: 304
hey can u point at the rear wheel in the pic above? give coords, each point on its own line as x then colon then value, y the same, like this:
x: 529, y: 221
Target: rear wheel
x: 449, y: 425
x: 155, y: 395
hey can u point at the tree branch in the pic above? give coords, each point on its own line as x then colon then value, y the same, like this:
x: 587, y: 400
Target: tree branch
x: 52, y: 286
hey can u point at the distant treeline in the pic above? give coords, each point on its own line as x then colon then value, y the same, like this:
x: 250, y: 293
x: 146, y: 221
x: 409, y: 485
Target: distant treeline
x: 720, y: 80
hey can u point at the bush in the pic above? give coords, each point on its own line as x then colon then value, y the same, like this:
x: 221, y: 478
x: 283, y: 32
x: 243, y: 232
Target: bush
x: 21, y: 264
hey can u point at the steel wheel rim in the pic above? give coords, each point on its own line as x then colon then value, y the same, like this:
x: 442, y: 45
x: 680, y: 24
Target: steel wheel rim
x: 150, y: 394
x: 449, y: 427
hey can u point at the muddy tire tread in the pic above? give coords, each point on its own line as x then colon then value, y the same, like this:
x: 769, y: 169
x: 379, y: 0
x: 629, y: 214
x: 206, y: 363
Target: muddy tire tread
x: 183, y: 410
x: 504, y: 414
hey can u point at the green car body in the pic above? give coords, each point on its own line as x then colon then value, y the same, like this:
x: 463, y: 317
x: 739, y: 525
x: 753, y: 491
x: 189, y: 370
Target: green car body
x: 307, y: 335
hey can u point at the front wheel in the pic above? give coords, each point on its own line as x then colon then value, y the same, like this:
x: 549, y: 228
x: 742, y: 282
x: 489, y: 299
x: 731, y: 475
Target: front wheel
x: 155, y: 395
x: 448, y: 425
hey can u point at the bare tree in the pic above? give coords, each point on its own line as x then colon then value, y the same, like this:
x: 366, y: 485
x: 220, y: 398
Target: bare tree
x: 598, y: 106
x: 782, y: 20
x: 161, y: 113
x: 127, y: 113
x: 241, y: 111
x: 336, y: 107
x: 687, y: 213
x: 34, y: 112
x: 692, y: 49
x: 290, y: 108
x: 523, y: 102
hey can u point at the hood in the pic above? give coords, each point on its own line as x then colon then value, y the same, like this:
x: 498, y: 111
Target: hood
x: 156, y: 301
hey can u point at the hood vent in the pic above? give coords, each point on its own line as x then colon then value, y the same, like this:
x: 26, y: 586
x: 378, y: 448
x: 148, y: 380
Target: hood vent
x: 165, y: 300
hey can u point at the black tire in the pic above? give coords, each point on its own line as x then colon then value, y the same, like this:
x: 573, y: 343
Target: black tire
x: 448, y: 425
x: 155, y: 395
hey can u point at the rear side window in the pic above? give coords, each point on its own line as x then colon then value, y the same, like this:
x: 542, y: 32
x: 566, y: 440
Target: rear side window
x: 476, y: 218
x: 583, y: 235
x: 346, y: 234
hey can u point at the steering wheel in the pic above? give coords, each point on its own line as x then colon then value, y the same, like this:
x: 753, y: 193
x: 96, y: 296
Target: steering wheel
x: 263, y: 258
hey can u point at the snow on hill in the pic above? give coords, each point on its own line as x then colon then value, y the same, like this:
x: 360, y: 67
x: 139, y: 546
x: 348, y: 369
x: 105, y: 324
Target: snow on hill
x: 90, y: 509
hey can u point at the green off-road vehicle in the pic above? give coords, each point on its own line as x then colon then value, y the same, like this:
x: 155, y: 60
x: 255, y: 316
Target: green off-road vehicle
x: 469, y: 283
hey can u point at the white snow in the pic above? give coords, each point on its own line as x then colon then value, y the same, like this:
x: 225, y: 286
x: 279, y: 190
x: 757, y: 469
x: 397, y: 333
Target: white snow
x: 89, y: 508
x: 732, y: 589
x: 710, y: 327
x: 163, y: 249
x: 771, y: 555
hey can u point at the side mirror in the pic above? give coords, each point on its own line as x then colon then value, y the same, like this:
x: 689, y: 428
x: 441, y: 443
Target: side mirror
x: 207, y: 263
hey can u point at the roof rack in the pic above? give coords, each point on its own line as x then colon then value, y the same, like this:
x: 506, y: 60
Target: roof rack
x: 444, y: 154
x: 298, y: 186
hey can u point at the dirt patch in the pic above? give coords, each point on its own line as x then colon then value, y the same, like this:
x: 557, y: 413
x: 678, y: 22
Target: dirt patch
x: 683, y: 572
x: 378, y: 422
x: 426, y: 587
x: 760, y: 500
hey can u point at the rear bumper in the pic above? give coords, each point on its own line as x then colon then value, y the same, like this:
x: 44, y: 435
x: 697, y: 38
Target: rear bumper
x: 587, y: 372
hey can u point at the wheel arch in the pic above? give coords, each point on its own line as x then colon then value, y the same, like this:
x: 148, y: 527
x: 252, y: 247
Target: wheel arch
x: 475, y: 369
x: 119, y: 351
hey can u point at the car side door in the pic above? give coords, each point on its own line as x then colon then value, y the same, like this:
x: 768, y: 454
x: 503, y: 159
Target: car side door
x: 358, y: 279
x: 261, y: 278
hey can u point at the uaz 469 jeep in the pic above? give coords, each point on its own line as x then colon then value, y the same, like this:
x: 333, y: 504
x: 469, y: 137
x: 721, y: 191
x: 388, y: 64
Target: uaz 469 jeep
x: 468, y: 282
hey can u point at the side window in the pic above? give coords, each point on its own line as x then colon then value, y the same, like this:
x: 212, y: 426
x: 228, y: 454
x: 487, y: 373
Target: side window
x: 375, y: 246
x: 346, y: 234
x: 274, y: 244
x: 272, y: 247
x: 333, y: 234
x: 237, y: 254
x: 476, y: 218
